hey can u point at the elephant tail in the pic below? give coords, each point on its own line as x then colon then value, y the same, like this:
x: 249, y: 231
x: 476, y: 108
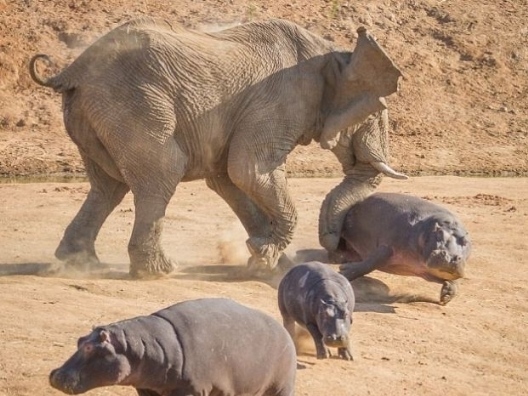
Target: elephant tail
x: 52, y: 82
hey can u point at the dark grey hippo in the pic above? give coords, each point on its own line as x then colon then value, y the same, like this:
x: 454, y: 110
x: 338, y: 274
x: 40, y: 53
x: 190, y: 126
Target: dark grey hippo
x: 404, y: 235
x: 211, y: 346
x: 321, y: 300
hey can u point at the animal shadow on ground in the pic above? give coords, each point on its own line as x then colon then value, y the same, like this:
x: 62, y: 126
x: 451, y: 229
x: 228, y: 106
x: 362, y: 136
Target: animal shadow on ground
x: 25, y: 269
x: 52, y: 269
x: 234, y: 272
x: 227, y: 273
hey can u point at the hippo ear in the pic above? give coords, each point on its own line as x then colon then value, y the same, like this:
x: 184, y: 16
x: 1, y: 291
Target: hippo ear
x: 104, y: 336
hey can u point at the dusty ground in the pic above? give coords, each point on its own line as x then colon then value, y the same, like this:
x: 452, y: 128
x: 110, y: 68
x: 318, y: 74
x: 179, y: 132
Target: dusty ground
x: 461, y: 110
x: 404, y: 343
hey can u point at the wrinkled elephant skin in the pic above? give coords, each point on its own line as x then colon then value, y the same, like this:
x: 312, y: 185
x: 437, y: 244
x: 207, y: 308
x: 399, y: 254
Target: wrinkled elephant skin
x: 151, y: 104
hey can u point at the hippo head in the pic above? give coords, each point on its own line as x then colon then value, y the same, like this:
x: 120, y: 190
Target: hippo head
x: 445, y: 246
x: 333, y: 320
x: 95, y: 364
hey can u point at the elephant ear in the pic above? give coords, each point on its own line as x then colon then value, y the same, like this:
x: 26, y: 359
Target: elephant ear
x: 372, y: 66
x: 369, y: 76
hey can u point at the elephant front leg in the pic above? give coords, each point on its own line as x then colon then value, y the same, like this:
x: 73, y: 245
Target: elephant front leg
x: 270, y: 193
x: 146, y: 255
x: 255, y: 221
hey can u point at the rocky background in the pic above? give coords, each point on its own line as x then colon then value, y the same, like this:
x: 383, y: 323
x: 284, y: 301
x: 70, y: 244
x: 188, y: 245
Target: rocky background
x: 461, y: 110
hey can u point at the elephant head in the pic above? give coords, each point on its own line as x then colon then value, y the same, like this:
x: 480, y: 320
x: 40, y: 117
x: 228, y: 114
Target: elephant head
x: 355, y: 128
x: 362, y: 151
x: 357, y: 88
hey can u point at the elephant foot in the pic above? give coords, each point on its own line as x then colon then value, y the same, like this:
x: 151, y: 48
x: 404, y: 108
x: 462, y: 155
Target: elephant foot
x: 264, y: 256
x: 330, y: 240
x: 142, y: 267
x: 78, y: 259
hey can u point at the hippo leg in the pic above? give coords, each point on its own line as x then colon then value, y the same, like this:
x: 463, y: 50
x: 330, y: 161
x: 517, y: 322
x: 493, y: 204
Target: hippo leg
x: 345, y: 353
x: 146, y: 392
x: 376, y: 260
x: 322, y: 352
x: 343, y: 254
x: 448, y: 291
x: 289, y: 325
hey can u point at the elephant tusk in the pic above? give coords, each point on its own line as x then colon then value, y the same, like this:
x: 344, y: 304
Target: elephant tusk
x: 387, y: 170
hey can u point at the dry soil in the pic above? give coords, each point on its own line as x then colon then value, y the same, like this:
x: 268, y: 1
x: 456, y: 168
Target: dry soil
x: 404, y: 342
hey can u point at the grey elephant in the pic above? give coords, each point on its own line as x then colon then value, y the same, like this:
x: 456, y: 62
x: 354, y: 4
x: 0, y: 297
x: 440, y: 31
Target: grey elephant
x: 152, y: 104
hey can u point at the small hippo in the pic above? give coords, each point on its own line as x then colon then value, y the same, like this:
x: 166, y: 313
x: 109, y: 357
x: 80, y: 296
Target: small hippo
x: 210, y: 346
x: 404, y: 235
x: 321, y: 300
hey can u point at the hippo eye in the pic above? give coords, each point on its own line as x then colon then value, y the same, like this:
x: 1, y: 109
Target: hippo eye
x: 88, y: 348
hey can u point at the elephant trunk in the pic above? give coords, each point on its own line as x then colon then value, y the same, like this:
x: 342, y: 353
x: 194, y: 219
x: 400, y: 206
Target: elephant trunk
x: 363, y: 153
x: 354, y: 188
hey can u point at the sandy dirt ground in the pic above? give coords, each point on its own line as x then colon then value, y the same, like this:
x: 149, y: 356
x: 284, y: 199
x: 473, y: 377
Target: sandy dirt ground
x: 404, y: 342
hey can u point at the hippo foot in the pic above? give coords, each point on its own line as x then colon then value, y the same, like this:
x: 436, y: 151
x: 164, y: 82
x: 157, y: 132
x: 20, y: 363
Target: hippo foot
x: 152, y: 268
x: 448, y: 292
x: 323, y: 353
x: 345, y: 353
x: 264, y: 256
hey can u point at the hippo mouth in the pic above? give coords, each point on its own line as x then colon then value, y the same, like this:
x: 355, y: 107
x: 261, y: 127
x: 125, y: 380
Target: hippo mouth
x: 445, y: 266
x: 69, y: 384
x: 334, y: 341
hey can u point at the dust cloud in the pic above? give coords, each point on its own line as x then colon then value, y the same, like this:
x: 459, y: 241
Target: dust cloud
x: 231, y: 247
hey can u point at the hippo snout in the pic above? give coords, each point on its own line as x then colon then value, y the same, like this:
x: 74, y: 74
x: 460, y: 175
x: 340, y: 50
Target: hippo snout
x: 446, y: 266
x: 335, y: 341
x: 66, y: 382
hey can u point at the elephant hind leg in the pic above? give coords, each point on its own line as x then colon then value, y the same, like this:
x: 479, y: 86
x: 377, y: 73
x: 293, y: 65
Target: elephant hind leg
x: 77, y: 246
x: 153, y: 183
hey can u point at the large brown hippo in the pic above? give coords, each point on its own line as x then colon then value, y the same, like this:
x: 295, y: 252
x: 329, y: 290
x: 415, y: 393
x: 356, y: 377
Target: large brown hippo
x: 404, y: 235
x: 211, y: 346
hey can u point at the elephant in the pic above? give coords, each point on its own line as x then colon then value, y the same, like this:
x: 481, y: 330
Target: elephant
x: 363, y: 171
x: 152, y: 104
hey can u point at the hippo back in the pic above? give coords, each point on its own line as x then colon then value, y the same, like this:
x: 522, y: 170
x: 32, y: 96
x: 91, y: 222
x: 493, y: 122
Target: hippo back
x: 231, y: 347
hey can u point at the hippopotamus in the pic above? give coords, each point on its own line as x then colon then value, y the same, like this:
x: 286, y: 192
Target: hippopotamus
x: 404, y: 235
x: 210, y: 346
x: 320, y: 300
